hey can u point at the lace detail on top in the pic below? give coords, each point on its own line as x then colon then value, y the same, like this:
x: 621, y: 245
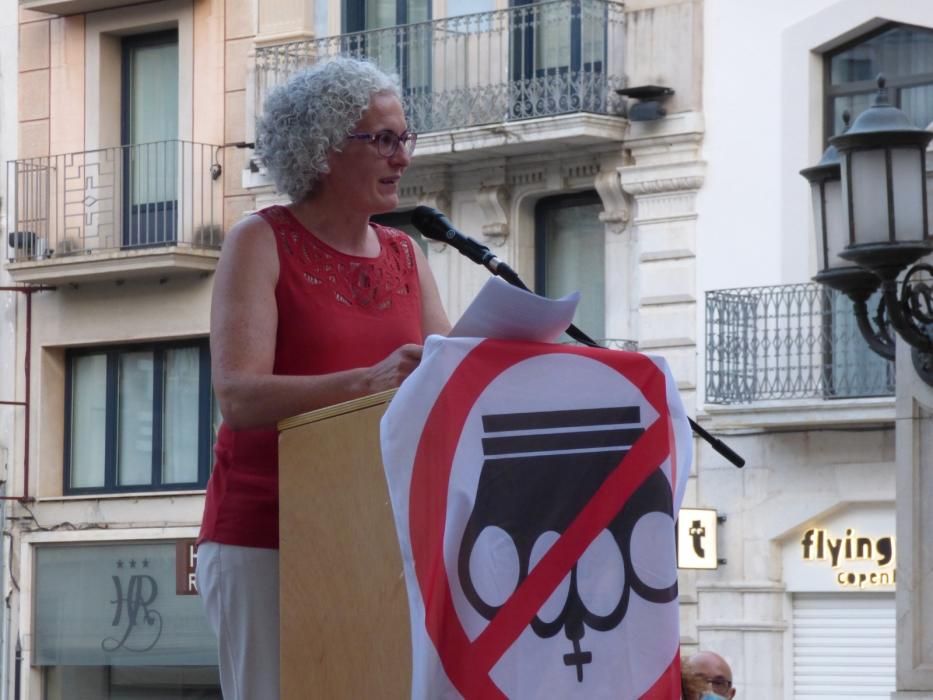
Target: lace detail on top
x: 366, y: 283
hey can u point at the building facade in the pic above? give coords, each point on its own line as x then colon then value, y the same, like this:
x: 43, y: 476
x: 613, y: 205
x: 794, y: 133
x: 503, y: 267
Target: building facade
x: 128, y: 128
x: 787, y: 376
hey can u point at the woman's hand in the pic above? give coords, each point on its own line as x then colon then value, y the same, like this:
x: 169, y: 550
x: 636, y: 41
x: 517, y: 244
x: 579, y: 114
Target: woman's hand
x: 393, y: 370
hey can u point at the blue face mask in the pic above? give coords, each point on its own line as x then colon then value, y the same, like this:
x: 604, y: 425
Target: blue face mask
x: 709, y: 695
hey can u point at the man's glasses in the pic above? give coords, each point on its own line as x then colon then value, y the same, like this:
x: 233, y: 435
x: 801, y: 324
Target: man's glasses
x: 387, y: 142
x: 718, y: 683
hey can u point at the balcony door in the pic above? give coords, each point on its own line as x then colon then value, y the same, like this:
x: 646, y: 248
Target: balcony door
x: 150, y: 136
x: 557, y: 57
x: 396, y: 35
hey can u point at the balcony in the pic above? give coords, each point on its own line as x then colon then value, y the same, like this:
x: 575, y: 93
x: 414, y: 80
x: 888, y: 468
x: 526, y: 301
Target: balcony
x: 786, y: 343
x: 150, y: 209
x: 536, y: 73
x: 64, y: 8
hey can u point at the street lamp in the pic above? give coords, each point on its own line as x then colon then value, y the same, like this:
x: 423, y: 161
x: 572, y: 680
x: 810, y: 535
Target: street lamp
x: 876, y: 218
x: 825, y: 180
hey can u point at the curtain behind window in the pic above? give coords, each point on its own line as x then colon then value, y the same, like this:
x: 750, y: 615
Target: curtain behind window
x: 88, y: 421
x: 180, y: 417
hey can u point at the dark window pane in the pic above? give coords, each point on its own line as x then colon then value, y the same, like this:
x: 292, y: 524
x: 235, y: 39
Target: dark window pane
x: 898, y: 52
x: 904, y: 55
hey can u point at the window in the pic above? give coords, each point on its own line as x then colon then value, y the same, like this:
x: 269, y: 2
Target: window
x: 903, y: 53
x: 138, y: 418
x: 404, y: 44
x: 149, y: 127
x: 558, y: 55
x: 570, y: 255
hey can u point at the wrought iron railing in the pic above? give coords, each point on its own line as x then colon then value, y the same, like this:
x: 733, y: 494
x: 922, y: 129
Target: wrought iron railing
x: 120, y: 198
x: 536, y: 60
x: 613, y: 344
x: 788, y: 342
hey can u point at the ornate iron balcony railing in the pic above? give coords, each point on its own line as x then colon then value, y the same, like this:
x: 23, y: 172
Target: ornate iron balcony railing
x: 613, y: 344
x: 125, y: 197
x: 793, y: 341
x: 535, y: 60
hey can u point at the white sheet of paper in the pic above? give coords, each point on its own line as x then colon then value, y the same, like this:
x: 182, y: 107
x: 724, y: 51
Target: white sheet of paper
x: 505, y: 312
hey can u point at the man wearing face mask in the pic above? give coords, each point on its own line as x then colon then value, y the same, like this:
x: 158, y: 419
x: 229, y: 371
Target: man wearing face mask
x: 707, y: 677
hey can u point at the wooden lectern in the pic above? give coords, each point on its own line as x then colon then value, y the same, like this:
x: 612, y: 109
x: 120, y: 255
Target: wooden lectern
x: 344, y: 607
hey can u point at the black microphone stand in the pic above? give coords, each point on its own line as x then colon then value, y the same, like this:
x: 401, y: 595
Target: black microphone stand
x: 499, y: 268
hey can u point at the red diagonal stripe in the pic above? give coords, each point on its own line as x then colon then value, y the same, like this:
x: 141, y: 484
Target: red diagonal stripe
x: 646, y: 455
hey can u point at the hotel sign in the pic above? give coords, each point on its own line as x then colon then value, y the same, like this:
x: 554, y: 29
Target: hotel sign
x: 118, y: 604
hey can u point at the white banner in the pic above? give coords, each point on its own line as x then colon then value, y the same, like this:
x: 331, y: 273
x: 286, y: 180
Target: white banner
x: 534, y: 488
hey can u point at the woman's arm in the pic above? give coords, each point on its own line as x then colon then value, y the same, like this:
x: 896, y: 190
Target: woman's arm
x: 244, y: 320
x: 433, y: 318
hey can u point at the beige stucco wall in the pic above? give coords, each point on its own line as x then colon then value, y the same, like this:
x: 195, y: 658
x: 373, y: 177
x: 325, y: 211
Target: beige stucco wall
x: 105, y: 313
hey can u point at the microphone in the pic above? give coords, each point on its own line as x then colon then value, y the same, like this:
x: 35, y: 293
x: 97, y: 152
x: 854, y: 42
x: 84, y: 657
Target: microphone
x: 435, y: 226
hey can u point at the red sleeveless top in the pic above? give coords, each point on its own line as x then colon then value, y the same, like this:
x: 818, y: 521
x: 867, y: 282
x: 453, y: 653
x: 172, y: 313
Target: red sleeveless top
x: 336, y: 312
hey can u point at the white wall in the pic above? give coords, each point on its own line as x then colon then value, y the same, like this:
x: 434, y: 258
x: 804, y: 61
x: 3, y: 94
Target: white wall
x: 763, y: 111
x: 763, y: 106
x: 745, y: 230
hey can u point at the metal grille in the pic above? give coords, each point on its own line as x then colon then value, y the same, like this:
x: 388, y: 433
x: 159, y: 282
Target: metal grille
x: 788, y: 342
x: 125, y: 197
x: 613, y: 344
x: 536, y: 60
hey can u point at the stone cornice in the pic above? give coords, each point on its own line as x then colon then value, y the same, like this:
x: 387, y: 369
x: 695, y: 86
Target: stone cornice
x: 639, y: 180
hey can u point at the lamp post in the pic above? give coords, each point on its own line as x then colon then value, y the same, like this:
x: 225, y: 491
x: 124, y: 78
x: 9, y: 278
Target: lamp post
x: 825, y: 180
x: 873, y: 230
x: 870, y: 208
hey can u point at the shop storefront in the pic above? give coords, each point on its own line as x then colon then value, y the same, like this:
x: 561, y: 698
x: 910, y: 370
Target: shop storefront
x: 840, y: 572
x: 121, y: 621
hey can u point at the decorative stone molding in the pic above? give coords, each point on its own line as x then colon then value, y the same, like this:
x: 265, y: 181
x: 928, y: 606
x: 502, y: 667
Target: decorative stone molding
x: 430, y: 188
x: 665, y: 170
x: 616, y: 207
x: 580, y: 171
x: 665, y: 185
x: 494, y: 202
x: 523, y: 177
x: 663, y: 192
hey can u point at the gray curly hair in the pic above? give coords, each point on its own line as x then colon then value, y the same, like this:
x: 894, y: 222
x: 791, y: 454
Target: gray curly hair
x: 312, y: 113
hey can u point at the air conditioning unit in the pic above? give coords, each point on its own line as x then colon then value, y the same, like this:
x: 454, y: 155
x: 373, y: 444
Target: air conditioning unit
x: 26, y: 245
x: 20, y: 245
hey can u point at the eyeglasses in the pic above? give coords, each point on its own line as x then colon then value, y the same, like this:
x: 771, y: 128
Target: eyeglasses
x: 387, y: 141
x: 718, y: 683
